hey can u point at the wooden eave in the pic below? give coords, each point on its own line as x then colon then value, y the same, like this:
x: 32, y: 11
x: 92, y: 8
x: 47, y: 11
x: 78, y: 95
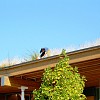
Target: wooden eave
x: 30, y: 73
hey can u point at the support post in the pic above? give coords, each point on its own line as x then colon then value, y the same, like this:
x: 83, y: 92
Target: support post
x: 5, y: 81
x: 22, y: 92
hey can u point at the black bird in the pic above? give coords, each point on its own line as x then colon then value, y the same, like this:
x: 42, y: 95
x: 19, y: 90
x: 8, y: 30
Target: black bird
x: 43, y: 51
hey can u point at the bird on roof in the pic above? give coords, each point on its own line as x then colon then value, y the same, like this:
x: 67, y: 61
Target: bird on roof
x: 44, y: 52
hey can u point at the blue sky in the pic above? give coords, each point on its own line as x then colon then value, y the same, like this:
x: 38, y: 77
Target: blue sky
x: 28, y: 25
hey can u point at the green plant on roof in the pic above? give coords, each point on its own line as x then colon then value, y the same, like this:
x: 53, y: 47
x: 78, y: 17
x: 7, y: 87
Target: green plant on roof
x: 32, y: 56
x: 9, y: 62
x: 61, y: 83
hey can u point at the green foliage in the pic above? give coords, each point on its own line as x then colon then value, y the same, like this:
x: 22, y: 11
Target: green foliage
x: 61, y: 83
x: 32, y: 56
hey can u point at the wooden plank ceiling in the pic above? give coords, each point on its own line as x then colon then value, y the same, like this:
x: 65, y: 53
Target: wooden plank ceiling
x: 90, y: 69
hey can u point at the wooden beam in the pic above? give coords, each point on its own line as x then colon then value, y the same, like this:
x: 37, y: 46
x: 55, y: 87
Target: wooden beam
x: 18, y: 82
x: 26, y: 68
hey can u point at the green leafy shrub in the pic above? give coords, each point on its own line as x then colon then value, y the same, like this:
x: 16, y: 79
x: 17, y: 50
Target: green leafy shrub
x: 61, y: 83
